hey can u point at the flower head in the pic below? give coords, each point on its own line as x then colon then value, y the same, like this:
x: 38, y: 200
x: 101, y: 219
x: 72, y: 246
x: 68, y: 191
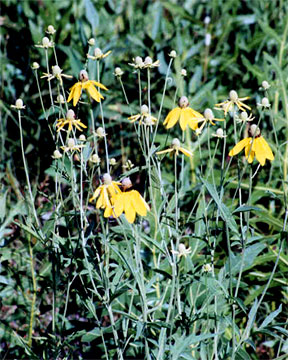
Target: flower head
x: 18, y: 105
x: 95, y: 159
x: 254, y: 146
x: 184, y: 114
x: 91, y: 42
x: 143, y: 116
x: 35, y: 66
x: 219, y: 134
x: 71, y: 121
x: 131, y: 203
x: 56, y: 73
x: 243, y: 118
x: 98, y: 54
x: 264, y: 103
x: 56, y: 154
x: 46, y: 43
x: 105, y: 194
x: 207, y: 268
x: 148, y: 63
x: 60, y: 99
x: 175, y: 147
x: 118, y: 72
x: 88, y: 85
x: 72, y: 146
x: 233, y: 100
x: 112, y: 162
x: 138, y: 63
x: 128, y: 165
x: 265, y: 85
x: 183, y: 72
x: 172, y: 54
x: 50, y: 30
x: 208, y: 117
x: 182, y: 251
x: 100, y: 132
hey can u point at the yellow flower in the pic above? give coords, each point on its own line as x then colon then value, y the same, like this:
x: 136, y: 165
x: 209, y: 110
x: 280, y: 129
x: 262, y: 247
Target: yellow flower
x: 175, y: 146
x: 234, y: 99
x: 106, y: 193
x: 88, y: 85
x: 71, y: 121
x: 143, y: 116
x: 254, y: 147
x: 131, y: 203
x: 184, y: 114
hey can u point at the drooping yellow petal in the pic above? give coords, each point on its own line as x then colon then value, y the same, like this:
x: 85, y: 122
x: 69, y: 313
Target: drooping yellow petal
x: 130, y: 212
x: 164, y: 151
x: 72, y: 89
x: 268, y: 152
x: 138, y: 203
x: 172, y: 117
x: 96, y: 194
x: 249, y: 152
x: 184, y: 117
x: 259, y: 151
x: 77, y: 93
x: 94, y: 93
x: 239, y: 146
x: 101, y: 203
x: 185, y: 152
x: 119, y: 204
x: 108, y: 212
x: 98, y: 84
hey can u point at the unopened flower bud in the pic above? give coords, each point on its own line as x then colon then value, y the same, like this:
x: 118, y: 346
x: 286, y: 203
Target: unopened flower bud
x: 35, y: 66
x: 207, y: 39
x: 100, y: 132
x: 91, y: 42
x: 82, y: 137
x: 56, y: 154
x: 265, y: 85
x: 184, y: 72
x: 19, y: 104
x: 107, y: 179
x: 51, y: 30
x: 172, y: 54
x: 233, y: 95
x: 60, y: 99
x: 176, y: 143
x: 70, y: 115
x: 71, y: 143
x: 83, y: 76
x: 112, y: 162
x: 144, y: 109
x: 208, y: 114
x: 182, y: 249
x: 183, y: 102
x: 244, y: 116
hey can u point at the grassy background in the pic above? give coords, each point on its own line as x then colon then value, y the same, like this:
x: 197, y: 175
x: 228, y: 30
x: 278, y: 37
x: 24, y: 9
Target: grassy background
x: 248, y: 46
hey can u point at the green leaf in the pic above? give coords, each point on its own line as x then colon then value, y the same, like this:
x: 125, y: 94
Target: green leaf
x: 91, y: 15
x: 270, y: 317
x: 244, y: 208
x: 224, y: 211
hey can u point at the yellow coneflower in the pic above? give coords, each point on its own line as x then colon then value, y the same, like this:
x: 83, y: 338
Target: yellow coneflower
x: 257, y: 147
x: 233, y: 99
x: 184, y: 114
x: 106, y: 193
x: 71, y: 121
x: 88, y: 85
x: 175, y: 147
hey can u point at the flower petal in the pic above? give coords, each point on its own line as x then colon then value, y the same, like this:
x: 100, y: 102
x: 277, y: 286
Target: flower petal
x: 239, y: 146
x: 139, y: 203
x: 172, y: 118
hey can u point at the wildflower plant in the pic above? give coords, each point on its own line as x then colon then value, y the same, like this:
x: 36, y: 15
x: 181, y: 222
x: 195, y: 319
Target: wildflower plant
x: 130, y: 253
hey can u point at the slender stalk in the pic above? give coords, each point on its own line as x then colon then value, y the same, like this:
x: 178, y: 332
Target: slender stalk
x: 34, y: 293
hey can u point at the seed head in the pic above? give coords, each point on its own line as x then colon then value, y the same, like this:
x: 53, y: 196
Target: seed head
x: 176, y: 143
x: 83, y: 76
x: 19, y: 104
x: 46, y: 42
x: 126, y: 183
x: 183, y: 102
x: 56, y: 154
x: 254, y: 130
x: 172, y: 54
x: 91, y: 42
x: 82, y: 137
x: 138, y: 60
x: 148, y: 60
x: 107, y: 179
x: 95, y: 159
x: 70, y: 115
x: 233, y: 95
x: 35, y: 66
x: 60, y: 99
x: 71, y: 143
x: 50, y: 30
x: 100, y: 132
x: 220, y: 132
x: 184, y: 72
x: 265, y: 102
x: 208, y: 114
x: 56, y: 70
x: 98, y: 52
x: 144, y: 109
x: 244, y: 116
x: 118, y: 71
x: 112, y: 162
x: 265, y: 85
